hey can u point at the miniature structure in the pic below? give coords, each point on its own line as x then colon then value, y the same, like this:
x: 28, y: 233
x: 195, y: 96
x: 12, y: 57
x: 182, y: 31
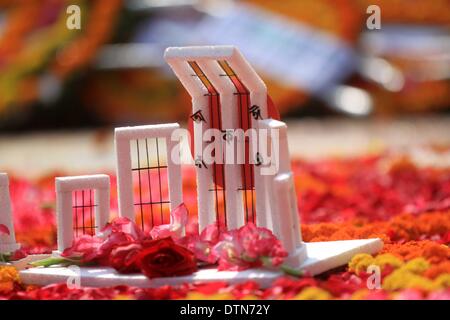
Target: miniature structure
x: 82, y: 206
x: 322, y: 256
x: 229, y: 193
x: 145, y: 140
x: 7, y: 241
x: 227, y: 96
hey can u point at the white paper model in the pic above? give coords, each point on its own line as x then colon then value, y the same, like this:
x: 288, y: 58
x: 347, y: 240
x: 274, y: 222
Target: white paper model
x: 65, y: 204
x: 162, y: 133
x: 7, y: 242
x: 227, y: 94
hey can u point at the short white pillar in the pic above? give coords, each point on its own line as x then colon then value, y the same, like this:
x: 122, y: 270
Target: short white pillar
x: 7, y: 242
x: 65, y: 186
x: 284, y: 216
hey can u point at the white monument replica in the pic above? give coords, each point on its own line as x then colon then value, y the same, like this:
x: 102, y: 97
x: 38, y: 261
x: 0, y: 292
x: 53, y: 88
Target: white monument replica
x: 88, y: 195
x: 8, y: 239
x: 227, y: 97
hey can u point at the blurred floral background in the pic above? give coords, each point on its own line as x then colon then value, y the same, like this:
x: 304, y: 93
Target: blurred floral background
x: 317, y: 57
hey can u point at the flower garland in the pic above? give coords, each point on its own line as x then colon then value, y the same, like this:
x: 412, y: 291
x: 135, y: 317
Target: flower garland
x: 163, y: 252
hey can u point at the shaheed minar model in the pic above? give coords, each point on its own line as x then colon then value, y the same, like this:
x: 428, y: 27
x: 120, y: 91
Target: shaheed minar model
x: 228, y: 96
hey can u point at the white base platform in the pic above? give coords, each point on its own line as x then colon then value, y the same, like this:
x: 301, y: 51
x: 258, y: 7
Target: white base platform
x: 321, y: 256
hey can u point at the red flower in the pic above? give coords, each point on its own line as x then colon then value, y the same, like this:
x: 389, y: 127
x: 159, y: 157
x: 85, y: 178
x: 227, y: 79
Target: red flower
x: 258, y: 242
x: 246, y: 247
x: 124, y: 225
x: 164, y: 258
x: 202, y: 245
x: 84, y: 248
x: 113, y: 241
x: 178, y: 220
x: 4, y: 230
x: 120, y: 232
x: 123, y: 258
x: 288, y: 287
x: 18, y: 254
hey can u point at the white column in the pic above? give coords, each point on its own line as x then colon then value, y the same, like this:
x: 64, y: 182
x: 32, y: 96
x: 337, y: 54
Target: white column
x: 7, y: 242
x: 280, y: 187
x: 285, y: 167
x: 102, y: 210
x: 178, y: 59
x: 258, y: 97
x: 64, y: 219
x: 230, y: 121
x: 124, y: 176
x: 174, y: 173
x: 285, y: 211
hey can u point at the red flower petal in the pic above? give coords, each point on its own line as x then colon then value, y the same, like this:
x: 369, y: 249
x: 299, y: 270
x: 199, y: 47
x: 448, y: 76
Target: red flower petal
x: 4, y: 230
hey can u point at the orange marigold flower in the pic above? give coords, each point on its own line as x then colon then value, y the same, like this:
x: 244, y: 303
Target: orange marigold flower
x: 432, y: 251
x: 435, y: 270
x: 8, y: 277
x: 436, y: 253
x: 404, y: 227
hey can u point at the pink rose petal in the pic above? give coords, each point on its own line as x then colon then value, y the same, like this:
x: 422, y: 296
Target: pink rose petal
x: 179, y: 217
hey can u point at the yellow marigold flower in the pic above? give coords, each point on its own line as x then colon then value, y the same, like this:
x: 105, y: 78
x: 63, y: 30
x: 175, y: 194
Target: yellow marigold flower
x: 386, y: 259
x: 417, y: 265
x: 360, y: 294
x: 123, y: 297
x: 443, y: 281
x: 313, y: 293
x: 201, y: 296
x: 396, y: 280
x: 250, y: 297
x: 418, y: 282
x: 360, y: 262
x: 403, y: 279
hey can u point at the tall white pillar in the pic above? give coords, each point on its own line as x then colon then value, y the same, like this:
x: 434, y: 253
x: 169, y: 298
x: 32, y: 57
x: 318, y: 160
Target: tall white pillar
x: 7, y: 241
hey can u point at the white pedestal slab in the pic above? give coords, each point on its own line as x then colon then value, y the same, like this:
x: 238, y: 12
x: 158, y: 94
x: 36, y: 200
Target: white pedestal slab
x: 321, y: 256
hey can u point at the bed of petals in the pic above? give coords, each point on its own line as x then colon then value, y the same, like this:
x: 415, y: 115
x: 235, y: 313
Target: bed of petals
x: 382, y: 196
